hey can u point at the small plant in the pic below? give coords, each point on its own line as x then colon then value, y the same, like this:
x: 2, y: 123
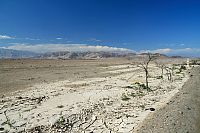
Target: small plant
x: 142, y: 106
x: 173, y: 67
x: 182, y: 67
x: 129, y: 87
x: 132, y: 94
x: 142, y: 86
x: 193, y: 62
x: 178, y: 72
x: 61, y: 121
x: 159, y: 77
x: 137, y: 83
x: 125, y: 97
x: 138, y: 94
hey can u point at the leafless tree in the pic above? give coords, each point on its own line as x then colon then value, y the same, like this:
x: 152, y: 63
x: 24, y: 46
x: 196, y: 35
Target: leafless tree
x: 160, y: 65
x: 145, y: 66
x: 169, y: 73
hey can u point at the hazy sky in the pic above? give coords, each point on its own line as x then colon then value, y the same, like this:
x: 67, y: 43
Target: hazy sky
x: 132, y: 24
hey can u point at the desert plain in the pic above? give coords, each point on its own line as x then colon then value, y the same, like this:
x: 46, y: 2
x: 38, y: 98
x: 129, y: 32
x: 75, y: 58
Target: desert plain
x: 90, y: 96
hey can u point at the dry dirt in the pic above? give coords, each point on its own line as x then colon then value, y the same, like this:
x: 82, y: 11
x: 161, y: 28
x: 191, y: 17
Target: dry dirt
x: 20, y: 74
x: 81, y: 95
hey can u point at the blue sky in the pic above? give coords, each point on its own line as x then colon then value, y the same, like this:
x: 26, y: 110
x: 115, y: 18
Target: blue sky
x: 132, y: 24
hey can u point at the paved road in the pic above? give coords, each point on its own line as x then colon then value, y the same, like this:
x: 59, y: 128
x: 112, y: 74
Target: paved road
x: 182, y: 114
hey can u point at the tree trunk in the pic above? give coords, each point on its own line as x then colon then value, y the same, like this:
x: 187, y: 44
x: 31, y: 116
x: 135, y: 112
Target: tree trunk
x: 147, y: 84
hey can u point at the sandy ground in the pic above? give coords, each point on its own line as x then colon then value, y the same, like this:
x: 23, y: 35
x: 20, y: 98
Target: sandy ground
x: 21, y: 74
x: 107, y: 101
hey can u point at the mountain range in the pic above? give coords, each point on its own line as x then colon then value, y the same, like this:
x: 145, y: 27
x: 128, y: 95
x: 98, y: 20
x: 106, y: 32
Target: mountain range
x: 15, y: 54
x: 10, y: 53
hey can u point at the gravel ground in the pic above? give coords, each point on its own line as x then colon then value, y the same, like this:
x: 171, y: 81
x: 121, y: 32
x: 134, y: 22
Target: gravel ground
x: 181, y: 114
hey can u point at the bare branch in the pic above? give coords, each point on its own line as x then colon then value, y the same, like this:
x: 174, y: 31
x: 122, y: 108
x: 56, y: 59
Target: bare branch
x: 144, y: 65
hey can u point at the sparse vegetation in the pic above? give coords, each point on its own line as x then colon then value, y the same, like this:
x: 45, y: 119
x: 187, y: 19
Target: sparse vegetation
x: 142, y: 86
x: 195, y: 62
x: 99, y: 96
x: 132, y: 94
x: 169, y: 73
x: 129, y: 87
x: 160, y: 65
x: 137, y: 94
x: 182, y: 68
x: 159, y: 77
x: 145, y: 66
x: 124, y: 97
x: 142, y: 106
x: 178, y: 72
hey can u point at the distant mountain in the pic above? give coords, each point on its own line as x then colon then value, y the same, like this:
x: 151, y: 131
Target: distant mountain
x: 83, y: 55
x: 154, y: 54
x: 9, y: 53
x: 177, y: 57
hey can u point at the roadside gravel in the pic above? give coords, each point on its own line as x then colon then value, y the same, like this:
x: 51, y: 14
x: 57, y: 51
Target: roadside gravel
x: 181, y: 114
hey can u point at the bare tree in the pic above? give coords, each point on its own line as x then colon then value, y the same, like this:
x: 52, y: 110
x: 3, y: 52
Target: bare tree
x: 145, y: 66
x: 161, y: 65
x: 169, y: 73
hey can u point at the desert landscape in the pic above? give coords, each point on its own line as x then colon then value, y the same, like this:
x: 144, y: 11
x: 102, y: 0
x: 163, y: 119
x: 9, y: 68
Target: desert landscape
x: 99, y: 66
x: 100, y: 96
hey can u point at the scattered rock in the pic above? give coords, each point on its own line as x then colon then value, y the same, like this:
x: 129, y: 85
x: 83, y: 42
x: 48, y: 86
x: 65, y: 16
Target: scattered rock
x: 188, y: 108
x: 19, y: 97
x: 5, y: 128
x: 60, y: 106
x: 1, y: 129
x: 152, y: 109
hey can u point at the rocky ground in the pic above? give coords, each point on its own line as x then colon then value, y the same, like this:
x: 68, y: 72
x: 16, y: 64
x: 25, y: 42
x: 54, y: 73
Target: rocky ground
x: 114, y: 103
